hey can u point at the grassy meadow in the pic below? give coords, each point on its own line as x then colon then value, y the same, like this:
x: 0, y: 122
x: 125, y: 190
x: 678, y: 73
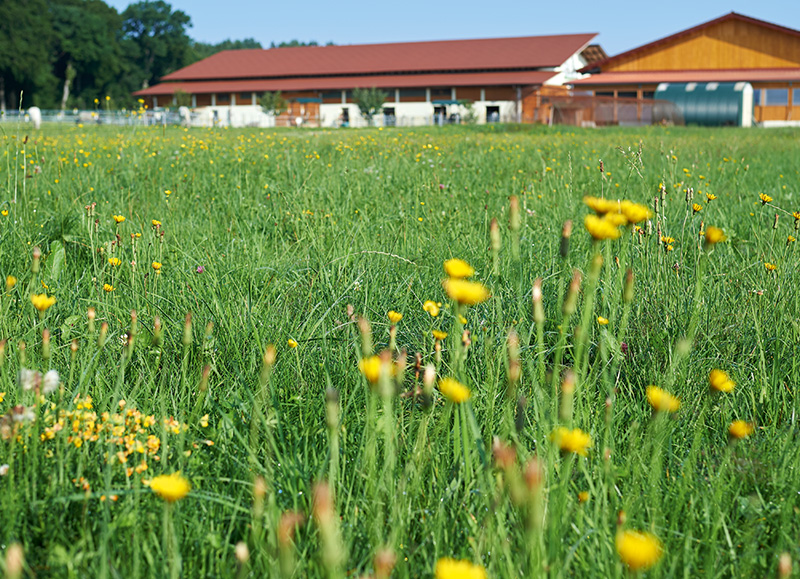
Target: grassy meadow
x: 221, y: 315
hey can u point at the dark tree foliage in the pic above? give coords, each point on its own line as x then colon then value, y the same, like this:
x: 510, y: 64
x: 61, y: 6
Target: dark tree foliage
x: 203, y: 50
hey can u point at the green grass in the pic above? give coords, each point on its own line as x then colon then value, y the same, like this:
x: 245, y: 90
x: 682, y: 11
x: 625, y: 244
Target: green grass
x: 272, y: 235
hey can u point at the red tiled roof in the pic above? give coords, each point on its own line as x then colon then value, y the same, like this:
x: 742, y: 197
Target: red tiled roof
x: 445, y: 55
x: 667, y: 39
x: 534, y: 77
x: 656, y: 76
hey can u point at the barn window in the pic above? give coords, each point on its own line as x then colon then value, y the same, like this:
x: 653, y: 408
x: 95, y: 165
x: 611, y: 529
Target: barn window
x: 776, y: 97
x: 796, y: 97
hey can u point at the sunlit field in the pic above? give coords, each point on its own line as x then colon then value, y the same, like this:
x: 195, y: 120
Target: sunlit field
x: 249, y: 353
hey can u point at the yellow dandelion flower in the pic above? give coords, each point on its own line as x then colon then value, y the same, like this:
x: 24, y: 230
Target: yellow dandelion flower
x: 107, y: 287
x: 770, y: 266
x: 796, y: 215
x: 292, y: 343
x: 583, y: 497
x: 635, y: 212
x: 666, y: 240
x: 394, y: 316
x: 451, y: 569
x: 710, y: 197
x: 432, y: 308
x: 714, y: 235
x: 462, y: 319
x: 204, y: 421
x: 156, y: 265
x: 42, y: 301
x: 118, y: 218
x: 171, y: 487
x: 719, y: 381
x: 638, y: 550
x: 615, y: 219
x: 764, y: 198
x: 4, y: 212
x: 439, y: 335
x: 371, y: 368
x: 458, y: 268
x: 156, y: 223
x: 602, y: 321
x: 454, y: 390
x: 601, y: 206
x: 115, y: 261
x: 790, y: 239
x: 575, y: 441
x: 696, y: 208
x: 11, y: 281
x: 740, y: 429
x: 670, y: 248
x: 661, y: 400
x: 600, y: 228
x: 466, y: 292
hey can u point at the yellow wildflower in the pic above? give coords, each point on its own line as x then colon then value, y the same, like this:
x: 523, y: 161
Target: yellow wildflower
x: 292, y: 343
x: 118, y: 218
x: 615, y: 219
x: 171, y: 488
x: 466, y: 292
x: 451, y: 569
x: 666, y: 240
x: 108, y: 287
x: 4, y: 212
x: 601, y: 206
x: 638, y: 550
x: 370, y: 368
x: 41, y: 301
x: 454, y: 390
x: 602, y: 321
x: 696, y: 208
x: 796, y: 215
x: 115, y: 261
x: 11, y: 281
x: 583, y: 497
x: 770, y: 266
x: 714, y: 235
x: 635, y: 212
x: 458, y: 268
x: 710, y: 197
x: 575, y: 441
x: 432, y: 308
x: 156, y: 266
x: 204, y: 421
x: 156, y: 223
x: 790, y: 239
x: 439, y: 335
x: 600, y: 228
x: 394, y: 316
x: 740, y: 429
x: 764, y: 198
x: 720, y: 382
x: 661, y: 400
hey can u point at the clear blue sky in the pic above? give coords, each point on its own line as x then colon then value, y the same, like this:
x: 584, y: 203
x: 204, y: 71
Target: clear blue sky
x: 621, y: 25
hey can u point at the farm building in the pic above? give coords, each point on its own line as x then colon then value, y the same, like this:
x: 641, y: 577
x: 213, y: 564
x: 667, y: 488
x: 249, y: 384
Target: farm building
x: 732, y: 50
x: 503, y: 79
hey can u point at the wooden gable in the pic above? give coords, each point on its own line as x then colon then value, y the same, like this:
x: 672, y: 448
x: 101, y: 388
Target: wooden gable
x: 728, y: 43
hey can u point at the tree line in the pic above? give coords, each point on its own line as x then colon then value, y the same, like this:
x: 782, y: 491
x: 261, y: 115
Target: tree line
x: 64, y: 54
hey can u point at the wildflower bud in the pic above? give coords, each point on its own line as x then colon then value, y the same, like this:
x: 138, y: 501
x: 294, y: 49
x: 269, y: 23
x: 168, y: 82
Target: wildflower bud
x: 571, y: 301
x: 513, y: 213
x: 602, y: 167
x: 259, y: 492
x: 101, y: 339
x: 513, y: 361
x: 567, y: 393
x: 437, y: 348
x: 15, y: 561
x: 2, y: 352
x: 270, y: 354
x: 566, y: 232
x: 627, y: 292
x: 385, y: 561
x: 158, y: 334
x: 429, y: 379
x: 465, y: 340
x: 46, y: 344
x: 22, y: 349
x: 204, y: 378
x: 366, y: 337
x: 417, y: 365
x: 286, y: 527
x: 73, y: 348
x: 607, y: 454
x: 494, y: 234
x: 242, y: 552
x: 351, y: 313
x: 90, y: 314
x: 505, y: 456
x: 621, y: 518
x: 663, y: 192
x: 538, y: 306
x: 775, y: 223
x: 534, y: 474
x: 187, y: 330
x: 37, y: 255
x: 649, y: 228
x: 689, y: 195
x: 332, y: 408
x: 784, y: 565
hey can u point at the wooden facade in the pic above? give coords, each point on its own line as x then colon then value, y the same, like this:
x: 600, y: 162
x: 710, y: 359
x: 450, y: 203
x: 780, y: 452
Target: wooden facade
x: 732, y: 48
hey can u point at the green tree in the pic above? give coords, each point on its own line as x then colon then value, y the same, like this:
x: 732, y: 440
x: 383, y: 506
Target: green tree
x: 87, y: 57
x: 25, y: 41
x: 273, y: 103
x: 201, y: 50
x: 369, y: 101
x: 155, y: 38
